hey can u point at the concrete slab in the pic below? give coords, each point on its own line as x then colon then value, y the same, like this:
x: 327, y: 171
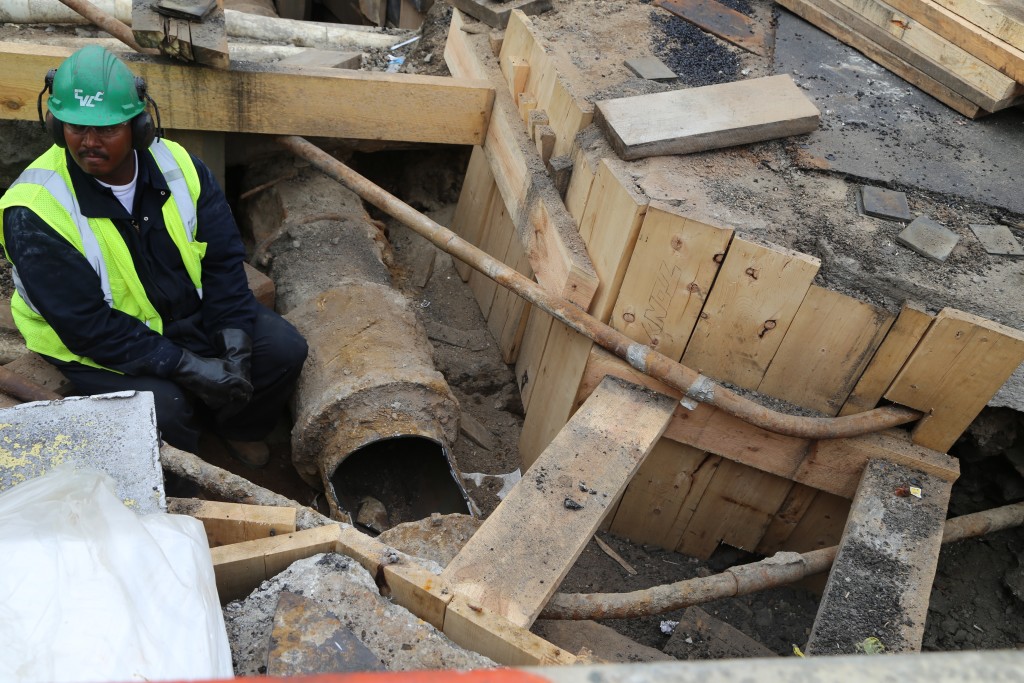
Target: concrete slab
x: 113, y: 433
x: 882, y: 203
x: 874, y: 125
x: 928, y: 238
x: 495, y: 13
x: 651, y: 68
x: 997, y: 239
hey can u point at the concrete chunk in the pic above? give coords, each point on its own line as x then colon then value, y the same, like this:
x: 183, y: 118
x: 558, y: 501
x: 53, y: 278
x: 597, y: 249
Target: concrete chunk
x: 929, y: 239
x: 651, y: 68
x: 997, y: 240
x: 113, y: 433
x: 882, y: 203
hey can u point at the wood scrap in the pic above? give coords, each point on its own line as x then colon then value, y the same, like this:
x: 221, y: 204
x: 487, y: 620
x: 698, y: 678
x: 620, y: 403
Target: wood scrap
x: 610, y: 552
x: 722, y: 21
x: 202, y: 42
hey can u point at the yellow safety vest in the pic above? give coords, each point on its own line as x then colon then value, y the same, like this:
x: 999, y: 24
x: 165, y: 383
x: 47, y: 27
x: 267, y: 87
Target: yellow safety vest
x: 45, y: 188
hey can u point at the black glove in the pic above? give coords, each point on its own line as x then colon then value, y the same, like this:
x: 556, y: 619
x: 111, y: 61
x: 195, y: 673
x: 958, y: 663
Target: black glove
x: 213, y: 381
x: 236, y: 350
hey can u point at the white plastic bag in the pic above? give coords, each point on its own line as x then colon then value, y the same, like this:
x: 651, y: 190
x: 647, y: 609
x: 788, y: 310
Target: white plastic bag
x: 91, y: 591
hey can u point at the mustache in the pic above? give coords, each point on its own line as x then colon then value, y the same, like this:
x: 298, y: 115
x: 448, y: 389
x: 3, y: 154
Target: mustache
x: 92, y: 154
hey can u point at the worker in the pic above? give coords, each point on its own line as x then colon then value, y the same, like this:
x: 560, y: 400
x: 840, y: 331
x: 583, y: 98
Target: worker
x: 127, y: 265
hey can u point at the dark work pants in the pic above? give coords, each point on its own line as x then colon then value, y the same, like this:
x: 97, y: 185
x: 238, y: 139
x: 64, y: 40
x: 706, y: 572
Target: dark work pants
x: 277, y: 357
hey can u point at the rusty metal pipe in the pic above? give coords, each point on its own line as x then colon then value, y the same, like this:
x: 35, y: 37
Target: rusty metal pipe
x: 24, y: 389
x: 642, y: 357
x: 108, y: 23
x: 778, y: 570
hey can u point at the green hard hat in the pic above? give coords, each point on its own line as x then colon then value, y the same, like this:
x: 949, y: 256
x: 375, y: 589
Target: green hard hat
x: 92, y: 87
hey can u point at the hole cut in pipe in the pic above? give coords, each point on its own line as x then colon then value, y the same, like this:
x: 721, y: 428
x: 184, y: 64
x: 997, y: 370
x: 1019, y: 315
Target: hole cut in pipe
x: 410, y: 476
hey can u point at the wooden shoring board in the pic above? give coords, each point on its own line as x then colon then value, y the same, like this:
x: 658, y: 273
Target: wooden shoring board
x: 880, y: 55
x: 928, y: 51
x: 577, y: 194
x: 241, y: 567
x: 531, y: 353
x: 558, y: 378
x: 882, y: 576
x: 507, y: 321
x: 610, y: 226
x: 652, y: 500
x: 831, y: 465
x: 900, y: 341
x: 1002, y: 18
x: 557, y: 255
x: 825, y: 350
x: 961, y: 362
x: 202, y: 42
x: 786, y: 519
x: 567, y: 114
x: 670, y: 273
x: 317, y: 102
x: 1005, y: 57
x: 507, y: 572
x: 750, y: 308
x: 227, y: 523
x: 820, y: 527
x: 708, y: 117
x: 737, y: 508
x: 470, y: 219
x: 493, y: 636
x: 497, y: 235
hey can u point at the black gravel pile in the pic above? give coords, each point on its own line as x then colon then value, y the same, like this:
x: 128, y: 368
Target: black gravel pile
x: 695, y: 56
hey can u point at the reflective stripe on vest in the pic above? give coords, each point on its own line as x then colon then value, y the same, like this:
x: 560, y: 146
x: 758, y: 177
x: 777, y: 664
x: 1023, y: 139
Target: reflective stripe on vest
x: 175, y: 179
x: 56, y: 186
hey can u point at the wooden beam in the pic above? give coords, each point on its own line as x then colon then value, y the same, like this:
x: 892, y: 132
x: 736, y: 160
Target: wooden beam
x: 241, y: 567
x: 899, y: 343
x: 202, y: 42
x: 557, y: 255
x: 758, y: 292
x: 491, y: 635
x: 928, y: 51
x: 670, y: 273
x: 273, y: 100
x: 882, y: 575
x: 1002, y: 18
x: 228, y: 523
x: 717, y: 116
x: 831, y: 340
x: 512, y: 565
x: 873, y: 51
x: 960, y: 364
x: 977, y: 41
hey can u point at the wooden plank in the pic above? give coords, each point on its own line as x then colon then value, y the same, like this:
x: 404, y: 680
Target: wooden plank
x: 882, y: 575
x: 489, y: 634
x: 535, y: 338
x: 822, y: 524
x: 241, y: 567
x: 473, y: 210
x: 828, y: 464
x: 203, y: 42
x: 509, y: 312
x: 1005, y: 57
x: 961, y: 362
x: 749, y: 311
x: 736, y: 509
x: 670, y: 273
x: 786, y: 519
x: 497, y: 235
x: 836, y: 465
x: 825, y: 350
x: 557, y: 255
x: 652, y: 500
x: 610, y: 226
x: 884, y: 57
x: 717, y: 638
x: 1002, y: 18
x: 558, y: 377
x: 717, y: 116
x: 228, y: 523
x: 899, y: 343
x: 512, y: 574
x: 332, y: 59
x: 327, y: 103
x: 419, y: 590
x: 929, y: 52
x: 580, y: 183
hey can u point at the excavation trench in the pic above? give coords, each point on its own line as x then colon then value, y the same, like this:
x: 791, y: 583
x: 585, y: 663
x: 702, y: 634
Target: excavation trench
x: 374, y: 420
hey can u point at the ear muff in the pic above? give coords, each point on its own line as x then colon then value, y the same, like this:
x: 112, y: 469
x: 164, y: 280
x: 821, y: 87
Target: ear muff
x: 143, y: 131
x: 51, y: 124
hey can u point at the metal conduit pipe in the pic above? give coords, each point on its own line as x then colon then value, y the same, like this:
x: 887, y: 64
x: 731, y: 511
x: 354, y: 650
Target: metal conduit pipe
x: 778, y: 570
x: 645, y: 359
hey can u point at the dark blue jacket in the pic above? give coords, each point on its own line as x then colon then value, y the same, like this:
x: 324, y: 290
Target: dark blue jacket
x: 65, y: 289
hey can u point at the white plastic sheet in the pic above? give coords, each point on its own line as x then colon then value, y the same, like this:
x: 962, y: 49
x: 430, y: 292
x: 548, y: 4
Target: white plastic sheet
x: 91, y: 591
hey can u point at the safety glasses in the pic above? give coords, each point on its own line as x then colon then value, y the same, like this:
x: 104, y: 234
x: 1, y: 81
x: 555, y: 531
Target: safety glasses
x: 101, y: 131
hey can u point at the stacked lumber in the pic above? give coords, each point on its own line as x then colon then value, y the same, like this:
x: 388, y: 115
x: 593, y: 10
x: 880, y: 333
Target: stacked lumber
x: 741, y: 312
x: 968, y: 54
